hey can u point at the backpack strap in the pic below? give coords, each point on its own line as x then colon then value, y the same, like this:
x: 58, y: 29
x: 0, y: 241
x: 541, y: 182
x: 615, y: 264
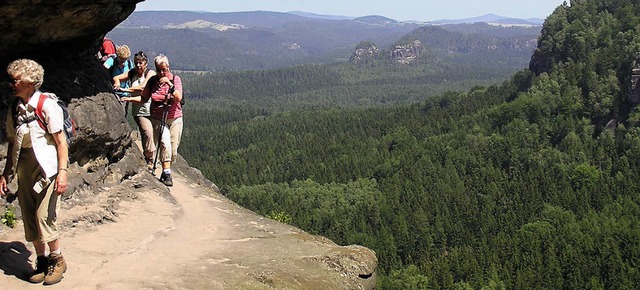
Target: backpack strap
x: 39, y: 115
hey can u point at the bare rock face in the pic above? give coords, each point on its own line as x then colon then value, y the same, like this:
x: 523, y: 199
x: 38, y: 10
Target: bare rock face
x: 364, y: 53
x: 63, y: 36
x: 406, y: 54
x: 32, y: 23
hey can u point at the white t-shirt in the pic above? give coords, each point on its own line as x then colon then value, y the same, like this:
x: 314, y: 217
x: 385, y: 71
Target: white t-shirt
x: 31, y: 135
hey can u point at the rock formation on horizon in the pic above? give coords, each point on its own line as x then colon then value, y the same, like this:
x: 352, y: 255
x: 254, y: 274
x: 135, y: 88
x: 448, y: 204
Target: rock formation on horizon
x: 64, y: 36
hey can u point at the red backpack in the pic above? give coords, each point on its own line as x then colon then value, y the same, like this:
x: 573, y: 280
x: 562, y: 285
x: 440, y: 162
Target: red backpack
x: 69, y: 125
x: 107, y: 49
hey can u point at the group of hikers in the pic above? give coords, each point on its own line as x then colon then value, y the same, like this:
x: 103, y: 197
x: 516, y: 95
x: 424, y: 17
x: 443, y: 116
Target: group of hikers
x: 38, y: 153
x: 156, y: 98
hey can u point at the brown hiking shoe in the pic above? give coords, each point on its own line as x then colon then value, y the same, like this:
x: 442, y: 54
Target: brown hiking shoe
x: 42, y: 264
x: 57, y: 266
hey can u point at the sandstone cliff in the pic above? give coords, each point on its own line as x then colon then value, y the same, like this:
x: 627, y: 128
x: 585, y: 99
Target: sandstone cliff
x: 408, y: 53
x: 366, y: 52
x: 107, y: 169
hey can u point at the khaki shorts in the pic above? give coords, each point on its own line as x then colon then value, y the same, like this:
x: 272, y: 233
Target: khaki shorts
x: 171, y: 136
x: 146, y: 135
x: 39, y: 209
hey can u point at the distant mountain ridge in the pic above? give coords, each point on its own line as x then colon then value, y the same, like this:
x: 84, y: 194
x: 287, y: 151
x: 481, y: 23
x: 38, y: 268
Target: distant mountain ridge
x: 321, y: 16
x: 376, y: 20
x: 265, y: 40
x: 257, y: 18
x: 492, y: 19
x: 252, y: 40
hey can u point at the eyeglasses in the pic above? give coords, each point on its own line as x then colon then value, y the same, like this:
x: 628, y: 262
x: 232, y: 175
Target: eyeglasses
x: 163, y: 70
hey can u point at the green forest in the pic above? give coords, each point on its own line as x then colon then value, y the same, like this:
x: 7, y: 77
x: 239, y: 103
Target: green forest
x: 525, y: 183
x: 347, y: 85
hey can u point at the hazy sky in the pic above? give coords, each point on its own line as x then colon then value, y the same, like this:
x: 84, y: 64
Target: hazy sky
x: 422, y: 10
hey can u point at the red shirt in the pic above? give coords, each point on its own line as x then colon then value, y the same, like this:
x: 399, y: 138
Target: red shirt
x: 158, y: 92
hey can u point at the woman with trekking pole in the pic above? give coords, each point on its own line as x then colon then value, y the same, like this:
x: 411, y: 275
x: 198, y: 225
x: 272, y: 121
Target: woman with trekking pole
x: 165, y: 91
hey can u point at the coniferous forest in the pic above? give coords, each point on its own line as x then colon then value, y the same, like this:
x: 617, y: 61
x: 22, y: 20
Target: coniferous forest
x: 527, y: 183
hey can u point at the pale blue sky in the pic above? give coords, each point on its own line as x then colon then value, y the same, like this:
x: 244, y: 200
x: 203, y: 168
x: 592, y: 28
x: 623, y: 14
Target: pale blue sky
x: 421, y: 10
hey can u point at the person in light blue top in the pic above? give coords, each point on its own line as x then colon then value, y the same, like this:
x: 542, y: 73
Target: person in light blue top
x: 117, y: 66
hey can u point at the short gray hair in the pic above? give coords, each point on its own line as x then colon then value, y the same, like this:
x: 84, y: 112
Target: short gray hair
x: 29, y: 71
x: 160, y: 59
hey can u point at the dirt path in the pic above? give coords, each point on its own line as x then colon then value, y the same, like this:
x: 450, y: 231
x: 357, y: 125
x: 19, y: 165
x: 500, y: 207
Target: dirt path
x: 152, y: 240
x: 193, y: 238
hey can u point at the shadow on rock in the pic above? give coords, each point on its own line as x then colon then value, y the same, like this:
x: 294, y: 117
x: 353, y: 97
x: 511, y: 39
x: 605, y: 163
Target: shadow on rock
x: 14, y: 260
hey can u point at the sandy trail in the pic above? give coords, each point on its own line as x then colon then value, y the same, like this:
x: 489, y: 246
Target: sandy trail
x: 152, y: 240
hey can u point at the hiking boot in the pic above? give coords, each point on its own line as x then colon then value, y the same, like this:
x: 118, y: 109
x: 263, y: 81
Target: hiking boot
x: 57, y: 266
x: 166, y: 179
x: 42, y: 265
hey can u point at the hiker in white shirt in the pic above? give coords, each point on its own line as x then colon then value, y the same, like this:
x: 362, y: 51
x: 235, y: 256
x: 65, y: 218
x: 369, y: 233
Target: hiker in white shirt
x: 38, y: 156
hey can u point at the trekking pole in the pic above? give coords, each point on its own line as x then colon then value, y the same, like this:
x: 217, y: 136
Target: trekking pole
x: 163, y: 123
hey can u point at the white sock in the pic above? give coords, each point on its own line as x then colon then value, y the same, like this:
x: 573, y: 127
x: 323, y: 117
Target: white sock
x: 166, y: 171
x: 57, y: 252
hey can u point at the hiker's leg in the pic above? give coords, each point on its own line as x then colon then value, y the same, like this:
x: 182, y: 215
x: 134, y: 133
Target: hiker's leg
x: 166, y: 143
x: 28, y: 172
x: 146, y: 135
x: 40, y: 247
x: 42, y: 263
x: 54, y: 245
x: 156, y: 140
x: 47, y: 215
x: 176, y: 136
x: 156, y: 131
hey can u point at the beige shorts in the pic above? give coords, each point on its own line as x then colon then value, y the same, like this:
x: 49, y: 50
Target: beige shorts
x: 171, y: 136
x: 146, y: 135
x: 39, y: 209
